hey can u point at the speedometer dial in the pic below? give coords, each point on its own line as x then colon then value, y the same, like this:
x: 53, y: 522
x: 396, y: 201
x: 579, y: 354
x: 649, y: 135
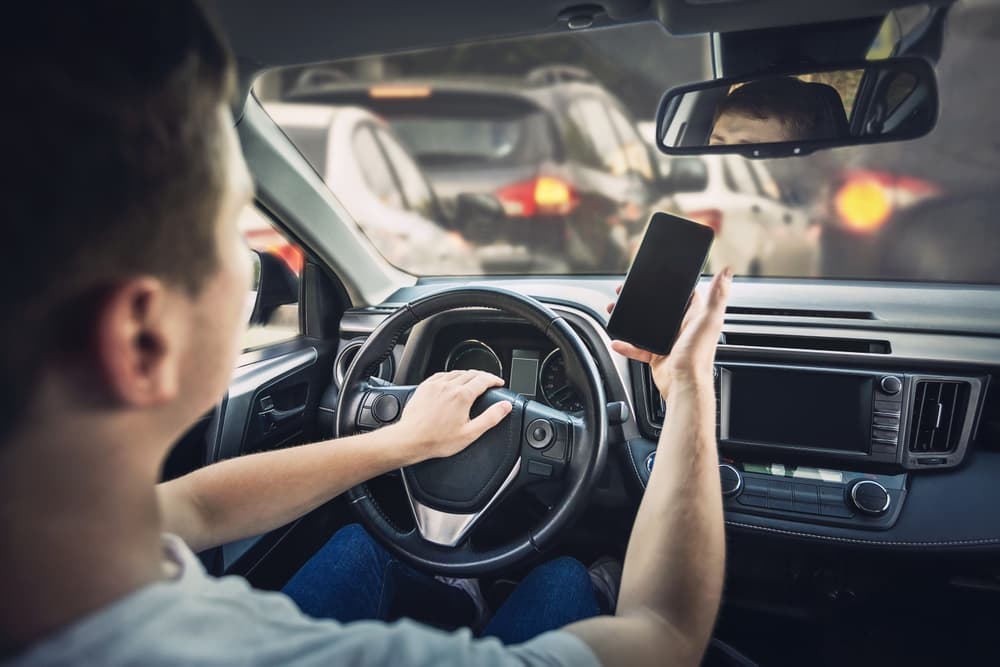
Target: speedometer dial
x: 473, y: 355
x: 556, y: 387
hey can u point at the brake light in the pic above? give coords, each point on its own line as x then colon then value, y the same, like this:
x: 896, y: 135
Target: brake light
x: 544, y: 195
x: 710, y: 217
x: 863, y: 204
x: 399, y: 92
x: 867, y: 199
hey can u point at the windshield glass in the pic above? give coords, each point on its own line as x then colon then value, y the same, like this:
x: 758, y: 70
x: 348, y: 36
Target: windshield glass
x: 535, y: 156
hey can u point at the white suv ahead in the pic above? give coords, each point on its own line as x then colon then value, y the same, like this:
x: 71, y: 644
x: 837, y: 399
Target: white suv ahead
x: 757, y: 233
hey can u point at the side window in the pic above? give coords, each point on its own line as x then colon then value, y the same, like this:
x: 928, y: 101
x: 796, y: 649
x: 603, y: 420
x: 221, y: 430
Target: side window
x: 281, y: 262
x: 374, y: 168
x: 635, y: 148
x: 419, y: 198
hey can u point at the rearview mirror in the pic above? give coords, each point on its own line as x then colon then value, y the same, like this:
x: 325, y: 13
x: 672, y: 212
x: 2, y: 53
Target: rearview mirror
x: 796, y: 112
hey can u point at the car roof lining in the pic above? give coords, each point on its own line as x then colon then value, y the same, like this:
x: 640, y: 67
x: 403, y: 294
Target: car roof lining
x: 266, y: 34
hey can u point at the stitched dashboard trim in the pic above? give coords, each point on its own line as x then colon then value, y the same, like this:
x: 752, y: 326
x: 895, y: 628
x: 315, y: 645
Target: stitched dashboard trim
x: 852, y: 540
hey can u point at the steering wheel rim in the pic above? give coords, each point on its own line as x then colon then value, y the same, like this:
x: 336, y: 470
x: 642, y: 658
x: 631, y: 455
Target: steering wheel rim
x: 586, y: 449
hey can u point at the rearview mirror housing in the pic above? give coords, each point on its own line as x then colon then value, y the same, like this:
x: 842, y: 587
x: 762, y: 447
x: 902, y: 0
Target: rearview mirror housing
x: 798, y: 111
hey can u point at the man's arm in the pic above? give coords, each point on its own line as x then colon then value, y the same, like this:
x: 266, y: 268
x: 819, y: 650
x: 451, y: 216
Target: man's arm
x: 250, y: 495
x: 674, y: 565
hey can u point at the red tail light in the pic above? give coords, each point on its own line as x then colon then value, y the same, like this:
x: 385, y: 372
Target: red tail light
x: 710, y: 217
x: 538, y: 196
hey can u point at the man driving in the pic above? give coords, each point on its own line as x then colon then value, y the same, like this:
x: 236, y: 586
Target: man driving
x: 125, y: 331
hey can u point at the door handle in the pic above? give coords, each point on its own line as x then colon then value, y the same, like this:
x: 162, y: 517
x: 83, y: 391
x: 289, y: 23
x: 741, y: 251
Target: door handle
x: 279, y: 416
x: 272, y: 417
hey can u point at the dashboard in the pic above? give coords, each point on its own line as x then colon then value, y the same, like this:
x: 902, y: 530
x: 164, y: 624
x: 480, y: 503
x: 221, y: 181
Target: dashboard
x: 874, y: 427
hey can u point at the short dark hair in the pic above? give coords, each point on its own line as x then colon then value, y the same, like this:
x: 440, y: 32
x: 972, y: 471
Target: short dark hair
x: 809, y: 110
x: 111, y: 134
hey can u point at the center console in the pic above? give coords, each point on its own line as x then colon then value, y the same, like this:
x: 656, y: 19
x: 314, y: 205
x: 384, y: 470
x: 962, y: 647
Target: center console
x: 829, y: 446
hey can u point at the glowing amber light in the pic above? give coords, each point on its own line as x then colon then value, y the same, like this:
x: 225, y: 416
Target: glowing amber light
x: 399, y: 92
x: 863, y: 205
x: 551, y: 192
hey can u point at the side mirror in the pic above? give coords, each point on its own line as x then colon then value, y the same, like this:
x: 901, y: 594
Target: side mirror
x: 797, y: 111
x: 477, y: 216
x: 276, y: 285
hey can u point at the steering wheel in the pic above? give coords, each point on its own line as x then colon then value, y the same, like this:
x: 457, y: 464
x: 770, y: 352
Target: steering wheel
x: 534, y: 443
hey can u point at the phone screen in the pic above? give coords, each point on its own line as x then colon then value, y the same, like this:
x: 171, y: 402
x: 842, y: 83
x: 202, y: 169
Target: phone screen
x: 659, y: 284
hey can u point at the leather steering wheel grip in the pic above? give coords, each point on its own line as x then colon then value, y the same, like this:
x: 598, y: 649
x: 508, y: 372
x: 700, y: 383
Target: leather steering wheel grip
x: 589, y: 446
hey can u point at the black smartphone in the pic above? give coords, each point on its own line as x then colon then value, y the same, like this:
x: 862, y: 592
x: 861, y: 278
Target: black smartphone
x: 660, y: 282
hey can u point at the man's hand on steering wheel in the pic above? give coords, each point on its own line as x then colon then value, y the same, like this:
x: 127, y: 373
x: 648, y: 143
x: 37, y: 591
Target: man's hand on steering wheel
x: 436, y: 422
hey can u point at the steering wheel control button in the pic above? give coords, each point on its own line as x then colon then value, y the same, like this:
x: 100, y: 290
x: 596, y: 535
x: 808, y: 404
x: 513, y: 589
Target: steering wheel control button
x: 731, y: 479
x: 540, y: 433
x: 891, y: 385
x: 386, y: 408
x: 539, y: 468
x: 870, y: 497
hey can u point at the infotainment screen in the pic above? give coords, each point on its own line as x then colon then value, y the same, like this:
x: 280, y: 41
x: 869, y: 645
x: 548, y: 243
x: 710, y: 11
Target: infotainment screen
x: 771, y: 406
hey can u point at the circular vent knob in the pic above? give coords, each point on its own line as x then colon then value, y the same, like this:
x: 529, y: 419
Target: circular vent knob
x: 870, y: 497
x: 731, y: 479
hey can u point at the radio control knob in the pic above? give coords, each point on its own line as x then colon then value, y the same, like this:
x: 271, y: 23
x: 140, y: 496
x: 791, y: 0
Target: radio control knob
x: 891, y: 385
x: 870, y: 497
x: 731, y: 479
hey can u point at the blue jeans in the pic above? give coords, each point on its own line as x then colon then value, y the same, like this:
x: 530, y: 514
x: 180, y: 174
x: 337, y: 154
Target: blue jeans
x: 353, y: 578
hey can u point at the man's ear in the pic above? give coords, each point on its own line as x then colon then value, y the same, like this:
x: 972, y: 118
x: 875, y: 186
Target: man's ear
x: 137, y: 343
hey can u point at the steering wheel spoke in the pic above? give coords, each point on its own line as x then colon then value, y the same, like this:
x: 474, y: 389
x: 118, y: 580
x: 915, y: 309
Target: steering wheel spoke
x: 449, y: 529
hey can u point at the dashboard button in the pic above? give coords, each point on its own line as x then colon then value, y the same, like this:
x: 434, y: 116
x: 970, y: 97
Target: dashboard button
x: 831, y: 495
x: 386, y: 408
x: 753, y: 486
x: 805, y: 493
x: 778, y: 504
x: 870, y: 497
x: 891, y: 385
x: 806, y: 508
x: 779, y: 491
x: 838, y: 510
x: 539, y: 468
x: 752, y: 501
x: 889, y: 407
x: 540, y: 433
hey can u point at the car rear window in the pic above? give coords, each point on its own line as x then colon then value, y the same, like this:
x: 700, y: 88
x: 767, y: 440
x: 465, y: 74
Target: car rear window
x: 443, y: 140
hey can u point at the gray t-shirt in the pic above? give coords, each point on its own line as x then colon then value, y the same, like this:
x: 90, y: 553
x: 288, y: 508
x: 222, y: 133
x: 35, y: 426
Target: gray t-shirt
x: 196, y: 619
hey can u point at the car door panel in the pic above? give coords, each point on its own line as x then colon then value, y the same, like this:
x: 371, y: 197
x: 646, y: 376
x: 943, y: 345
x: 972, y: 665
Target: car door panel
x: 272, y: 403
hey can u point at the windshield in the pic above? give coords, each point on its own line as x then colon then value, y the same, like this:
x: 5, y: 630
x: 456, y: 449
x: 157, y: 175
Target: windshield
x: 536, y: 157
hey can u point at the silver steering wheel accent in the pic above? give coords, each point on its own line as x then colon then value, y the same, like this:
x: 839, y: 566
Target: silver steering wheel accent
x: 446, y: 528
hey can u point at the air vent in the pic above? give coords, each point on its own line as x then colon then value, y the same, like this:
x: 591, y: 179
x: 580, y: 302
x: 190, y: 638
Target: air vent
x: 801, y: 312
x: 808, y: 343
x: 938, y: 414
x: 386, y: 369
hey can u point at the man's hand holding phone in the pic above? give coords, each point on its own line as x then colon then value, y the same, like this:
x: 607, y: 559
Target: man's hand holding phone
x: 690, y: 360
